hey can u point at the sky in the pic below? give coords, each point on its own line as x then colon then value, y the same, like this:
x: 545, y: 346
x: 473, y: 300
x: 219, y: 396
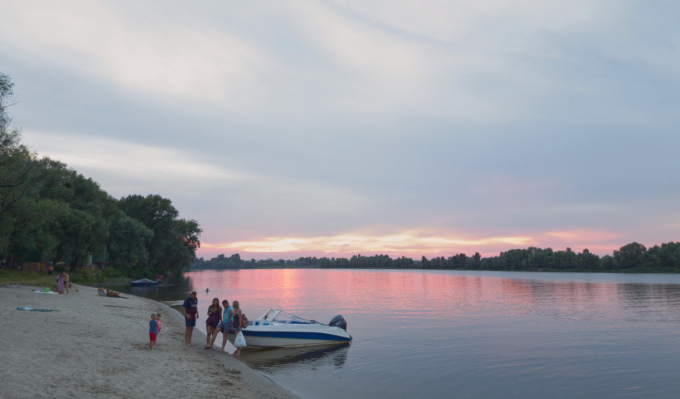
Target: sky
x: 332, y: 128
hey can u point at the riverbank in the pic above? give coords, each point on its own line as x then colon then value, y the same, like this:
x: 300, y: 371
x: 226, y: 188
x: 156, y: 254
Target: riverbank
x: 98, y: 347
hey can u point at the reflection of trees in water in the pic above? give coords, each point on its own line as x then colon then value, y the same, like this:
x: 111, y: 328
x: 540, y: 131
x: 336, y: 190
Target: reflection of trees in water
x: 300, y: 358
x: 589, y: 301
x: 175, y: 288
x: 559, y: 299
x: 658, y: 302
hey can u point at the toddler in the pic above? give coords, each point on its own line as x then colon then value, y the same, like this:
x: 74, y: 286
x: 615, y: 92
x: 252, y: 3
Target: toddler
x: 153, y: 330
x: 158, y: 319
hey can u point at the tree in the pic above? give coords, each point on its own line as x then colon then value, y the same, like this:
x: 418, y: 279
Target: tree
x: 156, y: 213
x: 127, y: 243
x: 629, y: 256
x: 174, y: 242
x: 85, y: 229
x: 17, y: 164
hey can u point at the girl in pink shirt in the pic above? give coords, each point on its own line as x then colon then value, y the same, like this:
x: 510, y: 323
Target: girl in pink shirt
x: 158, y: 319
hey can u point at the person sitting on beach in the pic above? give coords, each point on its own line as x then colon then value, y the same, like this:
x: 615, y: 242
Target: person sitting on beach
x: 226, y: 325
x: 153, y: 330
x: 190, y: 312
x: 214, y: 318
x: 100, y: 291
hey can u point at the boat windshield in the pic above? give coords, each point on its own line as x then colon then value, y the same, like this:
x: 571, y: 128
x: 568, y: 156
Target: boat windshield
x: 271, y: 315
x: 283, y: 317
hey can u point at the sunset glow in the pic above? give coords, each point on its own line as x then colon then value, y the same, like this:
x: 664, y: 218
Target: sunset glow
x: 403, y: 244
x: 400, y: 128
x: 411, y: 244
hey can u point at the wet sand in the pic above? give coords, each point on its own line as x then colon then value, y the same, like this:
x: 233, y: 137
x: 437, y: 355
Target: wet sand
x: 98, y: 347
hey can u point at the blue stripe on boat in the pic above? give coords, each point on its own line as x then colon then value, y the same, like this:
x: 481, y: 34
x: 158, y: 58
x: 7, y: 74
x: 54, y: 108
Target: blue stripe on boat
x: 294, y: 335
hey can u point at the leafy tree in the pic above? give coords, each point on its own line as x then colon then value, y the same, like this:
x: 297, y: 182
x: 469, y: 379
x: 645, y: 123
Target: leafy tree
x: 17, y: 168
x: 47, y: 207
x: 607, y: 263
x: 629, y: 256
x: 127, y: 243
x: 174, y: 242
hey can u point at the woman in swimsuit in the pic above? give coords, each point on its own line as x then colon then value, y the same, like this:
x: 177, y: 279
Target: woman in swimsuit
x: 238, y: 316
x: 214, y: 318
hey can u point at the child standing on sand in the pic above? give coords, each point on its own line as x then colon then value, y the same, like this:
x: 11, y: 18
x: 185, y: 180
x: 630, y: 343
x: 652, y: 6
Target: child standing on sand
x: 158, y: 319
x: 153, y: 330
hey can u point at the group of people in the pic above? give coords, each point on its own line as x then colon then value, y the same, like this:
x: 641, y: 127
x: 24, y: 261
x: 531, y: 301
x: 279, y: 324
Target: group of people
x: 154, y: 329
x: 102, y: 292
x: 227, y: 319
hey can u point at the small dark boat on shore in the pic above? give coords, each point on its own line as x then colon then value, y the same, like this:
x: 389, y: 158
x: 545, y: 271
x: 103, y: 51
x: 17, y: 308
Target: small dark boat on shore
x: 145, y: 282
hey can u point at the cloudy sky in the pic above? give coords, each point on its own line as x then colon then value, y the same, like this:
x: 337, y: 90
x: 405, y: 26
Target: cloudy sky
x: 298, y: 128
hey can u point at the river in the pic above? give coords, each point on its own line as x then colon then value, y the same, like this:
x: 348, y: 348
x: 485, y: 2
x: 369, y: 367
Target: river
x: 443, y: 334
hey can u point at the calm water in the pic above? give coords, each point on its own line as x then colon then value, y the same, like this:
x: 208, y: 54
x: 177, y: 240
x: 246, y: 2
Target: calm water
x: 464, y: 334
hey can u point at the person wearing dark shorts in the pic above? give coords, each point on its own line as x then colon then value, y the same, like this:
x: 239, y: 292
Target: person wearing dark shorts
x: 225, y: 326
x: 190, y: 312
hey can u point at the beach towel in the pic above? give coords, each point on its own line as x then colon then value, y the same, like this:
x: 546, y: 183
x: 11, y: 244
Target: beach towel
x: 37, y: 310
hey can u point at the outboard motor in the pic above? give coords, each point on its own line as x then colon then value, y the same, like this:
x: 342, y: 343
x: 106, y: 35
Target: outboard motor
x: 338, y: 321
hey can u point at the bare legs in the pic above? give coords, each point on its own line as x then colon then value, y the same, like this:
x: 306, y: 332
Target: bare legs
x: 237, y: 353
x: 187, y: 336
x: 209, y: 338
x: 212, y: 341
x: 224, y: 340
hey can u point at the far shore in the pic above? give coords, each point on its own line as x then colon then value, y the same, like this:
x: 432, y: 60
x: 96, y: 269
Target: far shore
x: 624, y: 271
x: 98, y: 347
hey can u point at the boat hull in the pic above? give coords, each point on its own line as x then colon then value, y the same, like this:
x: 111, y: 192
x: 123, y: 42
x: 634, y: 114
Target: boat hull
x: 280, y: 339
x: 145, y: 282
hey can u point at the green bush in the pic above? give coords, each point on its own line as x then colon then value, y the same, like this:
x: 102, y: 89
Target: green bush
x: 60, y: 268
x: 111, y: 272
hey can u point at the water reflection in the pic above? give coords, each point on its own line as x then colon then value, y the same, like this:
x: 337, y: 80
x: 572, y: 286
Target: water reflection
x: 273, y: 360
x: 175, y: 288
x: 475, y: 334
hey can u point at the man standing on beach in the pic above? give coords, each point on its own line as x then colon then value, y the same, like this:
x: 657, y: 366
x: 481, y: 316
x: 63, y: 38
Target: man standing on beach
x: 190, y: 312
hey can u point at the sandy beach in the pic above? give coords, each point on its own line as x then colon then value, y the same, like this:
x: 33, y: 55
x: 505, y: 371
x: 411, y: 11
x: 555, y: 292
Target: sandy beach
x: 98, y: 347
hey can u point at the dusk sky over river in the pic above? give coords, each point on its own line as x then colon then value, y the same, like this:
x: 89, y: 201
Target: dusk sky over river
x: 330, y: 128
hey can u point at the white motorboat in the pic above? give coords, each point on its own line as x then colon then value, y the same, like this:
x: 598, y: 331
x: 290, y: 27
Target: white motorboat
x: 278, y: 329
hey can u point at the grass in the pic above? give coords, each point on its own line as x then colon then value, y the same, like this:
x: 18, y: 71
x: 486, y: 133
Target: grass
x: 32, y: 278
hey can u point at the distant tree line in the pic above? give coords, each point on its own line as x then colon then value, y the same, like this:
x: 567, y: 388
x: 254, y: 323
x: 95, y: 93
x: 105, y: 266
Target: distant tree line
x: 631, y: 257
x: 48, y: 208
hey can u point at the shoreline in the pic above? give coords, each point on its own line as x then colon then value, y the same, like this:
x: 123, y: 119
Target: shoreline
x: 98, y: 347
x: 594, y: 271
